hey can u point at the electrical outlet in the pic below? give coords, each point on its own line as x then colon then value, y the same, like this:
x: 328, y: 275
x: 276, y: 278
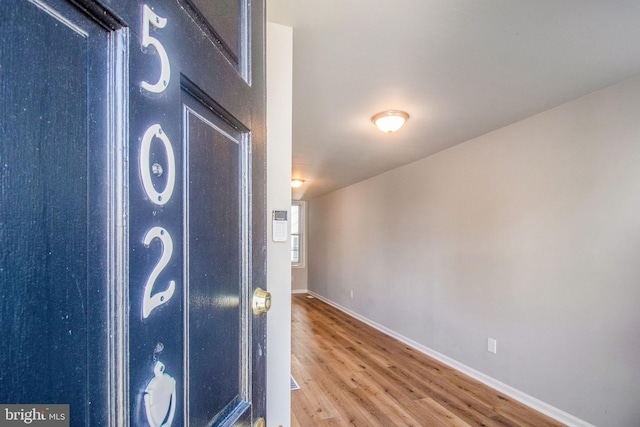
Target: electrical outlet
x: 352, y: 293
x: 492, y: 346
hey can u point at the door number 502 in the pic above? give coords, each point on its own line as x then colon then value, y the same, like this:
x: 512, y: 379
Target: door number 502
x: 160, y: 198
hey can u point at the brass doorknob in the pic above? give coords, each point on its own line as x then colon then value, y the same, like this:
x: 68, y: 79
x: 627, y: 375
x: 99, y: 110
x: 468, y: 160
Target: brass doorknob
x: 261, y: 301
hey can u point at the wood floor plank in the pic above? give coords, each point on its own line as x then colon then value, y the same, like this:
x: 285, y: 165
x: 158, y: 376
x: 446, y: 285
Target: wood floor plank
x: 348, y: 396
x: 350, y: 374
x: 442, y: 413
x: 323, y: 407
x: 294, y: 420
x: 358, y: 411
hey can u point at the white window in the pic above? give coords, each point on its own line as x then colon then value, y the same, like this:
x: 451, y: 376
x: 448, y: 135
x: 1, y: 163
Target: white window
x: 297, y: 227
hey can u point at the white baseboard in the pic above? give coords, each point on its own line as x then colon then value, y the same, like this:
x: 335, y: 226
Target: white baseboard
x: 299, y: 291
x: 521, y: 397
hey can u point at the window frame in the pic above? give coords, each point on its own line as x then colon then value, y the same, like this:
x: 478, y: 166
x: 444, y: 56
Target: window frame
x: 300, y: 235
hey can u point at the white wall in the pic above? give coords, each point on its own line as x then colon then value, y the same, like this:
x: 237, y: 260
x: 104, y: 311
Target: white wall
x: 529, y: 235
x: 279, y: 117
x: 299, y: 279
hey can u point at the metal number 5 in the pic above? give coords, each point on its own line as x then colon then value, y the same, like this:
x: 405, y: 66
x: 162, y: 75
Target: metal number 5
x: 150, y: 18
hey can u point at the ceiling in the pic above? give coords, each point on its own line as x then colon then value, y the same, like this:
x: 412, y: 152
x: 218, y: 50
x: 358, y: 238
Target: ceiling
x: 460, y: 68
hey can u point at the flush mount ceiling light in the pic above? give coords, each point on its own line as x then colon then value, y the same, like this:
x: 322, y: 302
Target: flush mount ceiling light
x: 390, y: 121
x: 295, y: 183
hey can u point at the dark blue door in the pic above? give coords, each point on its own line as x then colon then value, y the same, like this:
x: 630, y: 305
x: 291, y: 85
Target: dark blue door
x: 133, y: 210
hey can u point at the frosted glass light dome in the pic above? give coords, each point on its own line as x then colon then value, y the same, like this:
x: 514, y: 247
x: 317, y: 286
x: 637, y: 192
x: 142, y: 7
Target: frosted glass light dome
x: 390, y: 121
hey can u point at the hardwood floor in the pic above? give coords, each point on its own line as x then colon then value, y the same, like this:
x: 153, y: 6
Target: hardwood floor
x: 353, y: 375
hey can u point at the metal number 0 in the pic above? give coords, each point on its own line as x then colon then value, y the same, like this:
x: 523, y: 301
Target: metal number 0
x: 151, y: 302
x: 159, y: 198
x: 150, y: 18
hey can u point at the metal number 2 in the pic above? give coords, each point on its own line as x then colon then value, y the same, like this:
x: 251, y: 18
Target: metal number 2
x: 149, y: 17
x: 151, y: 302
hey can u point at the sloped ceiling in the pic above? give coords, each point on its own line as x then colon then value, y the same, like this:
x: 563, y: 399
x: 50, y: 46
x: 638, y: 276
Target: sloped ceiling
x: 460, y: 68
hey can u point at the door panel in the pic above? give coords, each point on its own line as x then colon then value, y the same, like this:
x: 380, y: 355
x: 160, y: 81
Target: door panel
x: 225, y: 20
x: 53, y: 207
x: 217, y: 316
